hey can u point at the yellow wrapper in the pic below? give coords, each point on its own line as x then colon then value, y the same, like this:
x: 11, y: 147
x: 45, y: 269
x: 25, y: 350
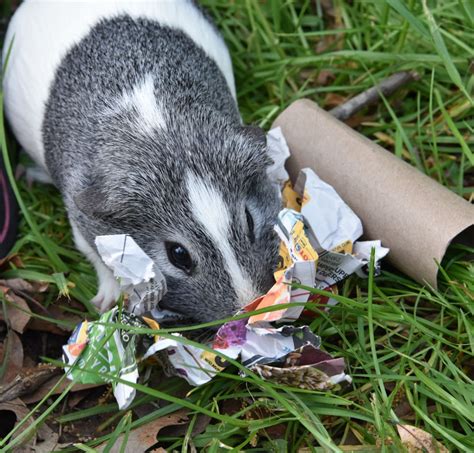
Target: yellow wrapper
x: 303, y: 250
x: 153, y: 325
x: 284, y: 261
x: 214, y: 360
x: 291, y: 199
x: 343, y: 247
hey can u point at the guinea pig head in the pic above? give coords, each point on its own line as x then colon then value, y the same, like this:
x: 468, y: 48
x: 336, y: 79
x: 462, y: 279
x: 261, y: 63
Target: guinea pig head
x: 196, y: 197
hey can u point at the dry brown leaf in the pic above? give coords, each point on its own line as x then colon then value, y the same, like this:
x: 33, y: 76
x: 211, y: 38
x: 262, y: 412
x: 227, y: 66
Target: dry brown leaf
x: 18, y: 312
x: 11, y: 414
x: 58, y: 310
x: 199, y: 426
x: 332, y: 100
x: 14, y: 258
x: 21, y: 285
x: 39, y: 287
x: 43, y: 440
x: 46, y: 440
x: 325, y: 77
x: 17, y: 261
x: 12, y: 352
x: 417, y: 440
x: 17, y: 284
x: 53, y: 312
x: 144, y: 437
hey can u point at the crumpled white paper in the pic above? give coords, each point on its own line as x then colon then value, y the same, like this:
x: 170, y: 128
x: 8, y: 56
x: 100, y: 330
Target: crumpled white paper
x: 278, y: 151
x: 125, y: 258
x: 331, y: 221
x: 135, y: 271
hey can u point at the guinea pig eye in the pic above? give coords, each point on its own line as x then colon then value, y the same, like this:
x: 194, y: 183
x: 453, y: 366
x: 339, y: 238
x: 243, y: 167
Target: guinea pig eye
x: 250, y: 225
x: 179, y: 256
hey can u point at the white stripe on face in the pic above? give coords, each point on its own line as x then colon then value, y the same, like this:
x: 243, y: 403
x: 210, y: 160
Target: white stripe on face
x: 209, y: 209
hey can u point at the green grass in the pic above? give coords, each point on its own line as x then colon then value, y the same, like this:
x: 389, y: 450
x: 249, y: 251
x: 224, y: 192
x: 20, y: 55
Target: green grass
x: 407, y: 347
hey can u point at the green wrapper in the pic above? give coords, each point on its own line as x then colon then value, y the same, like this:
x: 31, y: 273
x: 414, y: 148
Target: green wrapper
x: 99, y: 349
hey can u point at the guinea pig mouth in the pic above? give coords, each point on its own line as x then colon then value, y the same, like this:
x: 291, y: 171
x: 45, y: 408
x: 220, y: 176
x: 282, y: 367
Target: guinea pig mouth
x: 181, y: 321
x: 169, y: 319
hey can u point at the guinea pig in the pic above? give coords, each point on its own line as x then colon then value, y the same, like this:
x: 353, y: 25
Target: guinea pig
x: 130, y: 109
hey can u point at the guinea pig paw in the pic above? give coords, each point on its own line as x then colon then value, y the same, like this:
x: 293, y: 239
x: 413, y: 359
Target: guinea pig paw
x: 109, y: 292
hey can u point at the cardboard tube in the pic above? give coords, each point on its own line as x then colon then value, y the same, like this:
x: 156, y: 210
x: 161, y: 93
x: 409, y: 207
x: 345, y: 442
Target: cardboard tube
x: 411, y: 213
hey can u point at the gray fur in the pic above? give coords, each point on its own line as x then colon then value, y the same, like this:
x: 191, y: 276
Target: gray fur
x: 115, y: 178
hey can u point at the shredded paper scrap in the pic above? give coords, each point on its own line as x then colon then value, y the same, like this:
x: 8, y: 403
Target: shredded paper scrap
x: 319, y: 248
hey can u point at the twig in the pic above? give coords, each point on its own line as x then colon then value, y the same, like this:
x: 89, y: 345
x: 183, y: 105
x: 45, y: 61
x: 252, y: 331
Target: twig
x: 27, y: 382
x: 387, y: 87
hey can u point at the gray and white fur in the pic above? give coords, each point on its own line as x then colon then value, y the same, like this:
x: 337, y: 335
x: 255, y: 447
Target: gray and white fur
x: 130, y: 108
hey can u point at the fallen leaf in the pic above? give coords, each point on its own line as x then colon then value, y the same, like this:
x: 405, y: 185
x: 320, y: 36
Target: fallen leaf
x: 40, y: 287
x: 11, y: 354
x: 17, y: 284
x: 17, y: 261
x: 14, y: 258
x: 77, y: 397
x: 54, y: 311
x: 144, y: 437
x: 332, y: 100
x: 43, y: 440
x: 46, y: 440
x: 11, y: 413
x: 325, y: 77
x: 417, y: 440
x: 18, y: 312
x: 180, y: 430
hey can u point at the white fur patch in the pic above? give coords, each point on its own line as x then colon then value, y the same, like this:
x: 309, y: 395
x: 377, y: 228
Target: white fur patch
x: 142, y: 98
x: 44, y: 30
x: 109, y: 289
x: 210, y: 210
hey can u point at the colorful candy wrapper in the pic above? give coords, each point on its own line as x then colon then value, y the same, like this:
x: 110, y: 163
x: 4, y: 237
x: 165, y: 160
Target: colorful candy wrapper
x: 97, y: 349
x: 330, y: 227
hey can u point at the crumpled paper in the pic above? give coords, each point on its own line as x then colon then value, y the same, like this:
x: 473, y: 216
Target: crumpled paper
x: 135, y: 271
x: 278, y: 151
x: 97, y: 348
x: 319, y: 247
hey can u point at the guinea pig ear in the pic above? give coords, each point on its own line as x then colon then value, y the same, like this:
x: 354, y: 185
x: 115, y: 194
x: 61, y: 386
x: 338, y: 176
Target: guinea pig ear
x: 93, y: 202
